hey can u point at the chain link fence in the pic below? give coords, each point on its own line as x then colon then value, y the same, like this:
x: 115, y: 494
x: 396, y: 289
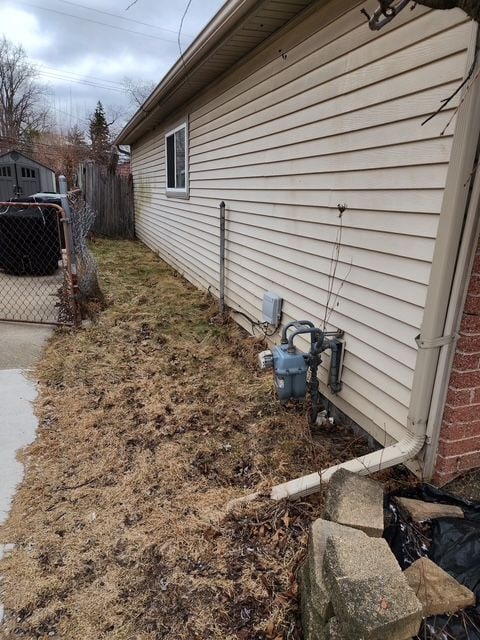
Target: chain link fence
x: 48, y: 275
x: 82, y: 217
x: 33, y: 264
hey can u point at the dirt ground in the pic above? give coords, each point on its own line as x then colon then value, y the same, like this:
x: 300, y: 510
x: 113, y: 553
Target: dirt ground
x: 467, y: 485
x: 151, y: 421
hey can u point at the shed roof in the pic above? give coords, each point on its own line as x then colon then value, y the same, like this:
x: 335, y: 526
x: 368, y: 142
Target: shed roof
x: 238, y: 28
x: 7, y: 153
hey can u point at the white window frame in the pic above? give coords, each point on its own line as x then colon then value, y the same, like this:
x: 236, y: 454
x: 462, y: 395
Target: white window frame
x: 173, y: 192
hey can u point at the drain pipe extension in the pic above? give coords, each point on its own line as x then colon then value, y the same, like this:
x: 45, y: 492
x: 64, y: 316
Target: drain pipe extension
x: 431, y: 339
x: 397, y: 453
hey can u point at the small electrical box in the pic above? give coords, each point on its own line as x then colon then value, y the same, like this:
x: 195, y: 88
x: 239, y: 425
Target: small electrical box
x: 272, y: 308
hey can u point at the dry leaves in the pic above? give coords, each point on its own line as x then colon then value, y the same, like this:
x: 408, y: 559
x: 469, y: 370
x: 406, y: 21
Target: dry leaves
x: 152, y: 420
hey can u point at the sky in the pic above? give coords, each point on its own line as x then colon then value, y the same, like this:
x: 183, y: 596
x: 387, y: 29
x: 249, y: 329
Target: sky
x: 84, y: 49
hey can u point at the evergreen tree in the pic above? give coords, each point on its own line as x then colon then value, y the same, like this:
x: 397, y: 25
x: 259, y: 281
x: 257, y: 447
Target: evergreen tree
x: 99, y: 135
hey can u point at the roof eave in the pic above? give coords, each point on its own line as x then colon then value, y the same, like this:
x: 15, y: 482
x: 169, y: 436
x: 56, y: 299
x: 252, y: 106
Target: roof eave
x: 229, y: 15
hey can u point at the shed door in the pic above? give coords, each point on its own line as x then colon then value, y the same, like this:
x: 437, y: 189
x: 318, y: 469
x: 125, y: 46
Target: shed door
x: 28, y: 180
x: 7, y: 182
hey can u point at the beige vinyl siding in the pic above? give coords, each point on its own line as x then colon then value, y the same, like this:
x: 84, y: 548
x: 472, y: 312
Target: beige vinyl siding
x: 329, y: 113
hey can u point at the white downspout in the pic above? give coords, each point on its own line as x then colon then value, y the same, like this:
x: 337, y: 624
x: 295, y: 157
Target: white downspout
x: 431, y: 340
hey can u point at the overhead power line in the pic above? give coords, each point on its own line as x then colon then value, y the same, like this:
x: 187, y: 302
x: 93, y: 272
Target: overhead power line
x: 53, y: 76
x: 85, y: 80
x: 69, y: 72
x: 179, y: 34
x: 45, y: 145
x: 104, y: 24
x: 117, y: 15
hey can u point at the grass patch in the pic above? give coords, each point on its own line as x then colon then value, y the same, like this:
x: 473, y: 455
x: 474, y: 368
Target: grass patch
x: 151, y: 420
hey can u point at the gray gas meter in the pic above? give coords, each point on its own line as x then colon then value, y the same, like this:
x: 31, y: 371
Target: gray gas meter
x: 296, y: 372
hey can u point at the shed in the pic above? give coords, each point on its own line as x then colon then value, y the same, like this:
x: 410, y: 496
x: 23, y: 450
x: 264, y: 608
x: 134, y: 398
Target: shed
x: 22, y: 176
x: 284, y: 109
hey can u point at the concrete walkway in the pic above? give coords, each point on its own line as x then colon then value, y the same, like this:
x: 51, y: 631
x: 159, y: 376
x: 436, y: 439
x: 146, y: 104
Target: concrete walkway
x: 21, y: 347
x: 17, y: 428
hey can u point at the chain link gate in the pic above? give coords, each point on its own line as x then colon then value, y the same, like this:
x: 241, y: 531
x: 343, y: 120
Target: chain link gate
x: 37, y: 264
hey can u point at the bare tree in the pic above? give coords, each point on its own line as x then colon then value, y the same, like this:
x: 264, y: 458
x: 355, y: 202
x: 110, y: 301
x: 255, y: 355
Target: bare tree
x: 138, y: 90
x: 22, y: 109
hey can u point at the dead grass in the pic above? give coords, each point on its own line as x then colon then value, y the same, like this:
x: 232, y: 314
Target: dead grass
x: 151, y: 420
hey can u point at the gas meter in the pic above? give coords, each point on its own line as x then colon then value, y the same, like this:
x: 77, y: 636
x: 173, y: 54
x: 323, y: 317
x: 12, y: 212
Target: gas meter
x: 296, y: 372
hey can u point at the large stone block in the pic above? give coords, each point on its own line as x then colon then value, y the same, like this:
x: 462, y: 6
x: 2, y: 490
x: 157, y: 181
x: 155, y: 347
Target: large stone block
x: 438, y: 592
x: 320, y: 531
x: 418, y: 510
x: 370, y: 595
x: 314, y: 627
x: 355, y: 501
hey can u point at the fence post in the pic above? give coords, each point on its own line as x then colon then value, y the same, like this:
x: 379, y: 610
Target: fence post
x: 70, y: 249
x: 222, y: 259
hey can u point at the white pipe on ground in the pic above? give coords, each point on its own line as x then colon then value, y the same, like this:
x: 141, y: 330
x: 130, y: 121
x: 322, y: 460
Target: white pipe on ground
x: 390, y: 456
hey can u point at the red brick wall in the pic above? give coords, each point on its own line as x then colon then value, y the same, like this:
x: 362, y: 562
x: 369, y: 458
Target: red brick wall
x: 459, y: 447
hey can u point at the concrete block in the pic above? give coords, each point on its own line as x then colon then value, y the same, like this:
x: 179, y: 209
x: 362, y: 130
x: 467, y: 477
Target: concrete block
x: 370, y: 595
x: 355, y: 501
x: 320, y: 531
x: 438, y: 592
x: 314, y: 627
x: 418, y: 510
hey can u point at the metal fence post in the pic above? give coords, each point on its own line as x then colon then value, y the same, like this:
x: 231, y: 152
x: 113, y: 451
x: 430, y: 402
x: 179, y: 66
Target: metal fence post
x: 70, y: 248
x: 222, y: 259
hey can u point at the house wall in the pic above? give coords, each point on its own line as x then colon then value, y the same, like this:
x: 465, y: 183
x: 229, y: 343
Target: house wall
x: 334, y: 116
x: 459, y: 446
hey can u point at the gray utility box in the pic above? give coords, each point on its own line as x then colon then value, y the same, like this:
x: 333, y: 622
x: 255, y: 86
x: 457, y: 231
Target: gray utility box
x: 272, y: 308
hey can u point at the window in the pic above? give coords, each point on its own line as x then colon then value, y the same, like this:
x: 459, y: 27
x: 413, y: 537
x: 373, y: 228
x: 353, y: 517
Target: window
x: 176, y: 154
x: 5, y: 172
x: 28, y: 173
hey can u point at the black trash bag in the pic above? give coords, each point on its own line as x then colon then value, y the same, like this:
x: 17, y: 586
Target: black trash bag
x: 456, y: 548
x: 452, y: 543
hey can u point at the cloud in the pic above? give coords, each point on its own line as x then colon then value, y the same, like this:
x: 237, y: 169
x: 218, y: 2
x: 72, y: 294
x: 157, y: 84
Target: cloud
x: 31, y: 36
x: 82, y: 61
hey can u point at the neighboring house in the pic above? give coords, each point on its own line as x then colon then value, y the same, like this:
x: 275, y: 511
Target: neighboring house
x: 286, y: 108
x: 22, y: 176
x: 124, y: 168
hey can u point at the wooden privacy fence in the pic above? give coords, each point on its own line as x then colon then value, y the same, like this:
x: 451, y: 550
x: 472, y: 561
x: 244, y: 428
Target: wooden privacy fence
x: 111, y: 195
